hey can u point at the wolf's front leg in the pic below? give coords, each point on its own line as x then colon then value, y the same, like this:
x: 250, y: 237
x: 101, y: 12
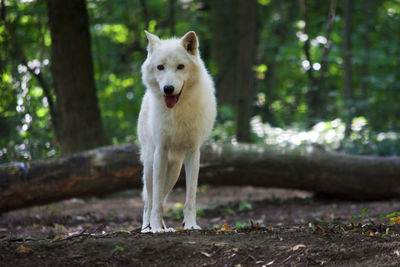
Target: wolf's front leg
x: 147, y: 193
x: 192, y: 163
x: 160, y: 164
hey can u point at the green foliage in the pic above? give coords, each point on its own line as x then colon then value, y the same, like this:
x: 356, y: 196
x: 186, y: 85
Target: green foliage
x: 175, y: 212
x: 245, y: 205
x: 232, y: 208
x: 117, y: 250
x: 394, y: 217
x: 240, y: 225
x: 282, y: 105
x: 360, y: 216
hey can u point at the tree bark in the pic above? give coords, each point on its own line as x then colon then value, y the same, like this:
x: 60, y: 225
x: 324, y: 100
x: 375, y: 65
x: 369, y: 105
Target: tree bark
x: 116, y: 168
x: 223, y: 48
x: 145, y: 13
x: 366, y: 51
x: 347, y: 67
x: 244, y: 68
x: 233, y: 51
x: 313, y: 94
x: 328, y: 45
x: 78, y: 115
x: 171, y: 16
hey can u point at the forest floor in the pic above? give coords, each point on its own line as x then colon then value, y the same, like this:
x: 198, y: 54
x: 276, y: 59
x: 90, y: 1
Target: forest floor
x: 242, y: 226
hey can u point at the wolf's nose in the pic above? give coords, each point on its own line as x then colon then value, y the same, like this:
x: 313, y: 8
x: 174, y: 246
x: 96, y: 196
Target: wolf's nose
x: 168, y: 89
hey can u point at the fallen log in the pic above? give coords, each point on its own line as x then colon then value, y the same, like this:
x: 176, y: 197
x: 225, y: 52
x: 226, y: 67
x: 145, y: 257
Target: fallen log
x: 115, y: 168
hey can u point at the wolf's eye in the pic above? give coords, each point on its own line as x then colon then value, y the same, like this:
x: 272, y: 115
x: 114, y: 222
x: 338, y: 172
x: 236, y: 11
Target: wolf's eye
x: 160, y: 67
x: 180, y: 67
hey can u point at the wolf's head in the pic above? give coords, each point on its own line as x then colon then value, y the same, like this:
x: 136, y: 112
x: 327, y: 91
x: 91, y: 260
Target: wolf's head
x: 171, y: 66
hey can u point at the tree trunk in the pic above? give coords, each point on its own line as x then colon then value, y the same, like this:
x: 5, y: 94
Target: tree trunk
x: 348, y: 86
x: 366, y: 51
x: 145, y: 13
x: 279, y: 30
x: 109, y: 169
x: 233, y: 51
x: 244, y: 68
x: 78, y: 115
x: 171, y: 16
x: 313, y: 95
x: 223, y: 48
x: 328, y: 46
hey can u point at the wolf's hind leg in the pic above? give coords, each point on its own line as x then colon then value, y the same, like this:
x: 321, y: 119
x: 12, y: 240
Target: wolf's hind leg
x: 173, y: 171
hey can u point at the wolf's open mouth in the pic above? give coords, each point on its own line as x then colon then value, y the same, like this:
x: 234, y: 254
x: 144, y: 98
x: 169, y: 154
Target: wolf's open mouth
x: 171, y: 100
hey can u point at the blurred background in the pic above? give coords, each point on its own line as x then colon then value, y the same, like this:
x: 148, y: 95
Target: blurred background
x: 288, y: 73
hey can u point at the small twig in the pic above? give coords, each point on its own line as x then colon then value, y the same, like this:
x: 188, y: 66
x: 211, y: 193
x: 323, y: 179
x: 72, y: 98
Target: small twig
x: 328, y: 45
x: 84, y: 233
x: 137, y: 230
x: 101, y: 226
x: 252, y: 257
x: 215, y: 252
x: 288, y: 258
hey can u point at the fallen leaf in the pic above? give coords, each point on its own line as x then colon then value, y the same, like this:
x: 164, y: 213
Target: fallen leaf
x: 225, y: 228
x: 62, y: 236
x: 222, y: 244
x: 270, y: 263
x: 397, y: 253
x: 368, y: 233
x: 59, y: 227
x: 23, y: 250
x: 319, y: 229
x: 298, y: 246
x: 206, y: 254
x: 122, y: 232
x: 254, y: 225
x: 395, y: 219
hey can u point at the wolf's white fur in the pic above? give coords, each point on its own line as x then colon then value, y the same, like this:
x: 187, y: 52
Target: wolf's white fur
x: 170, y: 137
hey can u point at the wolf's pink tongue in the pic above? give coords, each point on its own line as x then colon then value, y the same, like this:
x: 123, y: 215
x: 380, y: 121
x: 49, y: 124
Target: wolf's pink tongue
x: 170, y: 100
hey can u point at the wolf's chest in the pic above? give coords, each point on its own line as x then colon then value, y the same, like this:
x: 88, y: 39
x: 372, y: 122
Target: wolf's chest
x: 182, y: 130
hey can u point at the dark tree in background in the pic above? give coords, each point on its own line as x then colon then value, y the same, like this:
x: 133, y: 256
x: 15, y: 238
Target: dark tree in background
x: 223, y: 46
x: 233, y: 50
x: 244, y: 68
x: 348, y: 86
x: 78, y: 115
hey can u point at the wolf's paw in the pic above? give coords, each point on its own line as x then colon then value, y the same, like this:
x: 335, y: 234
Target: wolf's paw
x: 157, y: 230
x: 163, y: 230
x: 146, y: 229
x: 191, y: 227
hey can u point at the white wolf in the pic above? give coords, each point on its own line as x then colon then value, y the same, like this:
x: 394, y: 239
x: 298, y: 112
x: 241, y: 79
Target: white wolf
x: 177, y: 115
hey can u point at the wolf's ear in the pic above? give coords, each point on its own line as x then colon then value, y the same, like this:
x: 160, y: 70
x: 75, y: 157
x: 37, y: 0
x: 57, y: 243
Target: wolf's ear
x: 153, y: 41
x: 190, y: 42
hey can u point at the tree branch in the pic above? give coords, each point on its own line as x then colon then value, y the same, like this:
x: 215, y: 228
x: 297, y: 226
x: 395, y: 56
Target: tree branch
x: 116, y: 168
x: 328, y: 45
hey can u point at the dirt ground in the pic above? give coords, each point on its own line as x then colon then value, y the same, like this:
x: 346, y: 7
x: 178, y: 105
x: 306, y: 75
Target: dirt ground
x: 242, y: 226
